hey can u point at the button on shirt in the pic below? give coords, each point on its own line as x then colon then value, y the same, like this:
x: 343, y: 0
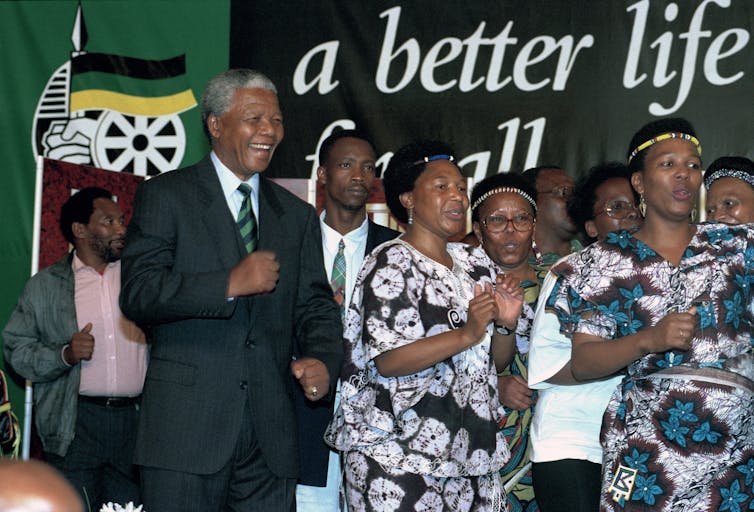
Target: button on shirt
x: 119, y: 361
x: 229, y: 183
x: 355, y: 245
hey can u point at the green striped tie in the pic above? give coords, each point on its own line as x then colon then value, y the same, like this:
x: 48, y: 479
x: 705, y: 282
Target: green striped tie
x: 247, y: 223
x: 338, y: 276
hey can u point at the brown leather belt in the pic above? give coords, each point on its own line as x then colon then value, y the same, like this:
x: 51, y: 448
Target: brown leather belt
x: 111, y: 401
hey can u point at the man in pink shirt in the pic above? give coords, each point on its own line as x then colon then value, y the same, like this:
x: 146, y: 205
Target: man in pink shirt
x: 87, y: 361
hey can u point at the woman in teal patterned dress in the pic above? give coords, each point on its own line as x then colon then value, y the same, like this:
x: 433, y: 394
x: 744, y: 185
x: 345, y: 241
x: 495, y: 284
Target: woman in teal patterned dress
x: 672, y: 303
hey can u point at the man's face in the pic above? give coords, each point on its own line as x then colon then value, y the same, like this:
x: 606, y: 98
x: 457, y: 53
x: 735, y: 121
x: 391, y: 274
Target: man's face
x: 245, y: 137
x: 554, y: 187
x: 105, y: 233
x: 348, y: 173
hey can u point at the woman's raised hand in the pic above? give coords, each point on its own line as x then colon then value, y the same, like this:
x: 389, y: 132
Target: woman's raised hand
x: 483, y: 309
x: 509, y: 297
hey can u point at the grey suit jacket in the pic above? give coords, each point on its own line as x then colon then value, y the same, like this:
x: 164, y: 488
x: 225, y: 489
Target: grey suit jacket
x: 211, y: 355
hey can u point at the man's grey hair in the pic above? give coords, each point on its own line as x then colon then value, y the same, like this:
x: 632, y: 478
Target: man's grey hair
x: 218, y: 95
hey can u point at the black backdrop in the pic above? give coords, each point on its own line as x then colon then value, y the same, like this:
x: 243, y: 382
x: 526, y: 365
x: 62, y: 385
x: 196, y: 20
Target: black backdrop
x: 542, y: 81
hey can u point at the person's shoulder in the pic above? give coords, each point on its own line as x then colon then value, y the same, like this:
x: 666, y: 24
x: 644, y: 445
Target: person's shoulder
x: 474, y: 259
x: 382, y: 232
x: 275, y: 192
x: 586, y: 256
x: 725, y: 237
x: 180, y: 176
x: 391, y: 248
x: 62, y: 266
x: 712, y: 229
x: 466, y: 251
x: 47, y: 277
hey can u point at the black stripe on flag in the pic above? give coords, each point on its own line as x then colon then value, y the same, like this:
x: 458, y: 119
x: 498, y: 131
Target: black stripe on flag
x: 129, y: 66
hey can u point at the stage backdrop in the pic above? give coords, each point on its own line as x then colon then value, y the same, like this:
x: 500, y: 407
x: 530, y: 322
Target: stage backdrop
x: 514, y: 83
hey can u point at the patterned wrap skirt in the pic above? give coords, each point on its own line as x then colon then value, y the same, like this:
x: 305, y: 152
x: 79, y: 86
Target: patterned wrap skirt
x: 371, y: 488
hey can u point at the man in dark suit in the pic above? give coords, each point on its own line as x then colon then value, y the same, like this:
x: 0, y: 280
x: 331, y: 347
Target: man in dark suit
x: 347, y: 170
x: 226, y: 268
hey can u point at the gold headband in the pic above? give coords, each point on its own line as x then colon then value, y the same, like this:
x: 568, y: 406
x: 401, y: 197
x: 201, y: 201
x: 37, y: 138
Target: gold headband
x: 665, y: 136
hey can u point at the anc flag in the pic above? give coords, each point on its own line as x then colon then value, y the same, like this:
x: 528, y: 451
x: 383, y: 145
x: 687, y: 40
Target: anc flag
x: 130, y: 85
x: 171, y: 48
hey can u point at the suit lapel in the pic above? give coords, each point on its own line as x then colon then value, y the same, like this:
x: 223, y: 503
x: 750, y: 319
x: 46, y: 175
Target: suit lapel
x: 271, y: 214
x: 218, y: 220
x: 371, y: 238
x: 271, y: 227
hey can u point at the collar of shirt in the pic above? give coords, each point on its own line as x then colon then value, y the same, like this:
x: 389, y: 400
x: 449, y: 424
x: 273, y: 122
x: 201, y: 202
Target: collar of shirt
x: 355, y: 246
x: 77, y: 265
x: 331, y: 238
x: 229, y: 183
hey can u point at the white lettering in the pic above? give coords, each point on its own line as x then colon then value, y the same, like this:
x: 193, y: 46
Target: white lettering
x: 567, y: 58
x: 692, y: 37
x: 498, y: 55
x: 716, y: 53
x: 466, y: 81
x: 434, y: 60
x: 630, y: 80
x: 482, y: 161
x: 663, y: 45
x: 324, y: 80
x: 525, y: 58
x: 535, y: 143
x: 509, y: 144
x: 410, y: 47
x: 508, y: 149
x: 448, y: 50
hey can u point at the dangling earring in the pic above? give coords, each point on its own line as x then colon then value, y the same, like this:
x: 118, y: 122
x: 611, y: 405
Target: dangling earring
x: 642, y: 206
x: 410, y: 215
x: 693, y: 215
x: 537, y: 253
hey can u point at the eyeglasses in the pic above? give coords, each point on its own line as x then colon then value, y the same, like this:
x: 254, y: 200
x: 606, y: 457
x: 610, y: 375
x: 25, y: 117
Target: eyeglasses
x: 564, y: 191
x: 618, y: 209
x: 498, y: 223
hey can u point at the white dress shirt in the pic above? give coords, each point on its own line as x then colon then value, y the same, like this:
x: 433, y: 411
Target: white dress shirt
x: 355, y: 246
x: 230, y: 182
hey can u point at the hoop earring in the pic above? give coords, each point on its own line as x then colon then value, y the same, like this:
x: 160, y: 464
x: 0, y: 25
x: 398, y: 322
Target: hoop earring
x: 693, y: 215
x: 410, y: 215
x: 642, y: 206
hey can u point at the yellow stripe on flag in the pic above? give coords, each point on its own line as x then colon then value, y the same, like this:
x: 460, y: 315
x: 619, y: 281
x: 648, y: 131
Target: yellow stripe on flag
x: 94, y: 99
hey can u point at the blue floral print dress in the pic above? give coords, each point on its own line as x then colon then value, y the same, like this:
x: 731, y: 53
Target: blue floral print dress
x: 678, y: 434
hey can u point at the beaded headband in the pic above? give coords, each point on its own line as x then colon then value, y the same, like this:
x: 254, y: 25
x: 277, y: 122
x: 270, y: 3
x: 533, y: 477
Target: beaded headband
x: 665, y: 136
x: 500, y: 190
x: 427, y: 159
x: 725, y: 173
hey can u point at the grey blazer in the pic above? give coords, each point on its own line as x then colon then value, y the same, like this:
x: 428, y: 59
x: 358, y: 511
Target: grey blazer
x: 210, y: 355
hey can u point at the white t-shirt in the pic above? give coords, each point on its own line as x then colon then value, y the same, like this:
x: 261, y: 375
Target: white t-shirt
x: 567, y: 419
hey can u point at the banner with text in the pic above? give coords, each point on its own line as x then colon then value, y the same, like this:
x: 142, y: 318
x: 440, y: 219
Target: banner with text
x: 510, y: 84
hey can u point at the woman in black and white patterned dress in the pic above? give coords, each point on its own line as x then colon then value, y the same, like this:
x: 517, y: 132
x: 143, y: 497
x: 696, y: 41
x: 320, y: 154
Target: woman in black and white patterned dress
x: 428, y: 320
